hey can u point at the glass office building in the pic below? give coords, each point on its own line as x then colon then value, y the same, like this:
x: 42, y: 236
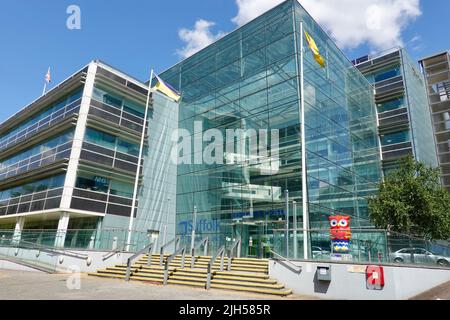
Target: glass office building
x: 405, y: 126
x: 68, y: 161
x: 250, y: 79
x: 436, y: 69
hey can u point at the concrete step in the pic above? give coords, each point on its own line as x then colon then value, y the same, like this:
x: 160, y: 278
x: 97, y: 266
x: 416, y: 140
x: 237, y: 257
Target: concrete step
x: 285, y: 292
x: 242, y: 274
x: 246, y: 284
x: 187, y: 283
x: 247, y: 279
x: 107, y: 275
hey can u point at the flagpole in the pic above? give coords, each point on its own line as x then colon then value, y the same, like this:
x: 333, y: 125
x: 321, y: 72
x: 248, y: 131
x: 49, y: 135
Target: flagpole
x: 138, y: 171
x: 45, y: 88
x: 303, y: 142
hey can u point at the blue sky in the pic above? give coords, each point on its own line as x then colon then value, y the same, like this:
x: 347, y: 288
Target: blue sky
x: 137, y: 35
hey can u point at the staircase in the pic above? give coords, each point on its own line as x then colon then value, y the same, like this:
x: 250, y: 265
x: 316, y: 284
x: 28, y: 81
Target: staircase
x: 246, y: 274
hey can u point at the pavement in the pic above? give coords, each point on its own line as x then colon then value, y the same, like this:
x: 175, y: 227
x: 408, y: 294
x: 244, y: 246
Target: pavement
x: 441, y: 292
x: 24, y: 285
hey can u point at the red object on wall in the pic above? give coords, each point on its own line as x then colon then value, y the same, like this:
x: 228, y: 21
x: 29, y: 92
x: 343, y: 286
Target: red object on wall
x: 340, y: 228
x: 375, y: 277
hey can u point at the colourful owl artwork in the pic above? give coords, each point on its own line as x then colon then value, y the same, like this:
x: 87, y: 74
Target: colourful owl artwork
x: 340, y: 233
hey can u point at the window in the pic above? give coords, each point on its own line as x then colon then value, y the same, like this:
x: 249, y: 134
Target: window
x: 93, y: 183
x: 111, y: 142
x: 32, y: 187
x: 100, y: 138
x: 102, y: 184
x: 393, y: 104
x: 122, y: 189
x: 387, y: 73
x: 119, y: 102
x: 394, y: 138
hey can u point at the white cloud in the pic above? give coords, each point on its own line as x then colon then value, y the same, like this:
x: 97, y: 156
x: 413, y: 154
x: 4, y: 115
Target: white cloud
x: 197, y: 38
x: 379, y: 23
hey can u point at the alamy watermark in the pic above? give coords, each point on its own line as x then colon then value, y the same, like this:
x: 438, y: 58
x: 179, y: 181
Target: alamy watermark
x: 73, y: 22
x: 229, y: 146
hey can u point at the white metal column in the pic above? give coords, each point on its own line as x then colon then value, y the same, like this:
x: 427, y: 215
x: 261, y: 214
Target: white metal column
x: 303, y: 142
x: 18, y: 229
x: 62, y: 229
x: 80, y: 130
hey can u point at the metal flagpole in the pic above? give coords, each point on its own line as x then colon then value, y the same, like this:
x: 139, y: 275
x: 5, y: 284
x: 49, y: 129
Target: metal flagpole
x: 303, y: 142
x: 45, y: 88
x: 138, y: 171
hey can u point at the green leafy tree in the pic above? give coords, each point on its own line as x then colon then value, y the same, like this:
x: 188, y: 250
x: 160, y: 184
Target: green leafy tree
x: 411, y: 200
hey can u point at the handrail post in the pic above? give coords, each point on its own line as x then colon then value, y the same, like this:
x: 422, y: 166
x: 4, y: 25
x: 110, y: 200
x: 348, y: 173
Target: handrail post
x: 183, y: 256
x: 149, y: 258
x: 222, y: 259
x: 127, y: 275
x: 208, y: 278
x: 205, y: 248
x: 166, y: 272
x: 238, y: 255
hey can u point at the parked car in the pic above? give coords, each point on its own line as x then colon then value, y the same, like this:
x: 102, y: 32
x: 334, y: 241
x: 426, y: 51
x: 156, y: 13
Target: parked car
x: 318, y: 252
x: 419, y: 256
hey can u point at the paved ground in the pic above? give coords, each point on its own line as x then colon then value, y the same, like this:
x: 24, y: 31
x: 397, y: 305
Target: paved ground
x: 22, y: 285
x: 441, y: 292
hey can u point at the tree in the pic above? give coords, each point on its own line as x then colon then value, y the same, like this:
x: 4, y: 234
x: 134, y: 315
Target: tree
x: 411, y: 200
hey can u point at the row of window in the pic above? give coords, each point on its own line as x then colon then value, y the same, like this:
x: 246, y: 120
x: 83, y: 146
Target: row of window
x: 118, y: 102
x: 393, y: 104
x: 396, y: 137
x: 60, y: 104
x: 385, y: 73
x: 104, y: 185
x: 38, y: 149
x: 32, y: 187
x: 111, y: 142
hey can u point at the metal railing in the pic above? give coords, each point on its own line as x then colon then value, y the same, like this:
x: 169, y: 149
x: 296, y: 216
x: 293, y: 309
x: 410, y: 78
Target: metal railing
x: 21, y: 244
x: 288, y: 264
x: 221, y: 253
x: 236, y: 246
x: 169, y: 260
x: 204, y: 243
x: 175, y: 240
x: 148, y: 249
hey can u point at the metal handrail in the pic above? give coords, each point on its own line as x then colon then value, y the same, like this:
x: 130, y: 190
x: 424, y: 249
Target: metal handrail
x: 286, y: 262
x: 203, y: 243
x: 221, y: 253
x: 161, y: 254
x: 169, y: 260
x: 148, y: 250
x: 43, y: 248
x: 236, y: 245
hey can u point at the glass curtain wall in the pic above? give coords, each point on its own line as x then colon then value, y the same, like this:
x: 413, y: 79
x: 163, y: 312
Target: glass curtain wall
x: 250, y: 80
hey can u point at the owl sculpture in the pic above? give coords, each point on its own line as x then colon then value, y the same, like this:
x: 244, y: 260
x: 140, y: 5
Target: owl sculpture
x: 340, y: 233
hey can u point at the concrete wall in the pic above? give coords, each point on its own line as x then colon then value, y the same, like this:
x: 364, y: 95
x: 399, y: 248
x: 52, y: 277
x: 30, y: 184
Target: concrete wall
x: 63, y: 263
x: 349, y: 281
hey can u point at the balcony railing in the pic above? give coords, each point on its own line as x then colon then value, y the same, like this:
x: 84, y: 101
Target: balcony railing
x: 37, y: 127
x: 37, y: 161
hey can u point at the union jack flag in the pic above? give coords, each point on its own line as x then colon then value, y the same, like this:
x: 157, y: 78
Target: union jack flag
x: 48, y: 77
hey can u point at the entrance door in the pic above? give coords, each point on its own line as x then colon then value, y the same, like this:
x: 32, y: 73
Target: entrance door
x: 251, y: 233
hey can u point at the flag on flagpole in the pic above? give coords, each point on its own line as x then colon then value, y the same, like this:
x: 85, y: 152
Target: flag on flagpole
x: 48, y: 76
x: 168, y: 90
x: 315, y: 50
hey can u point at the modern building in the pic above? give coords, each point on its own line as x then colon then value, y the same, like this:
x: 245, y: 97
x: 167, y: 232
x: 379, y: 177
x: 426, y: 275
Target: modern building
x: 437, y: 73
x: 404, y: 121
x: 252, y: 79
x: 69, y: 159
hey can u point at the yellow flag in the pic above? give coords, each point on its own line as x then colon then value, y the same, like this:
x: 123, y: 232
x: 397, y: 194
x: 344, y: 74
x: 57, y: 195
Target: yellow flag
x: 165, y: 88
x: 315, y: 50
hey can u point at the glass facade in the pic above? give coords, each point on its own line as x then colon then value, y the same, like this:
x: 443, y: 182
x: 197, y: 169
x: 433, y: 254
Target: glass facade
x: 250, y: 80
